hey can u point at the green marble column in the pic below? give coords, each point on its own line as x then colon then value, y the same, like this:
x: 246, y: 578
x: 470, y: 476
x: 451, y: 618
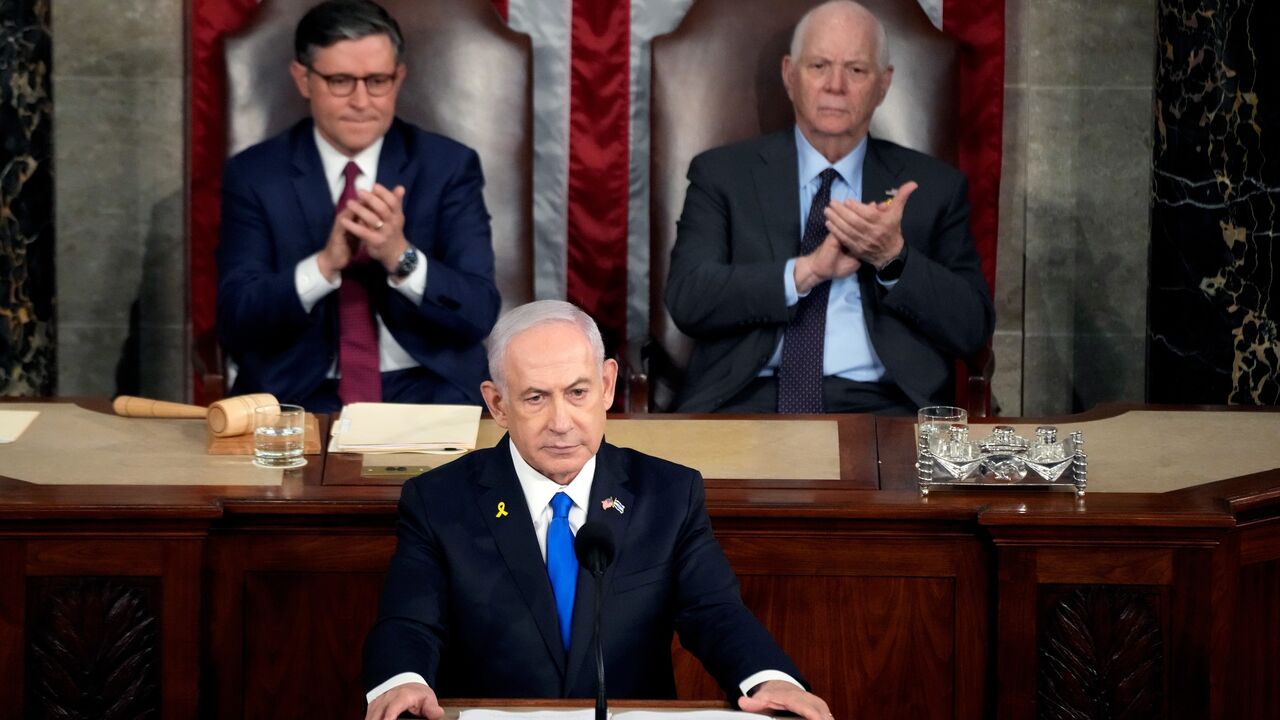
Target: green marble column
x: 27, y: 362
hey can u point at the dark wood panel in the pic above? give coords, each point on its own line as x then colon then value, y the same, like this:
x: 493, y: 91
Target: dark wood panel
x: 1132, y: 566
x: 296, y: 599
x: 1252, y: 689
x: 303, y: 638
x: 867, y: 645
x: 12, y: 620
x: 85, y: 556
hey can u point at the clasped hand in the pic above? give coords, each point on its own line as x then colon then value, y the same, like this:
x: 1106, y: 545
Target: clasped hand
x: 857, y: 233
x: 374, y: 219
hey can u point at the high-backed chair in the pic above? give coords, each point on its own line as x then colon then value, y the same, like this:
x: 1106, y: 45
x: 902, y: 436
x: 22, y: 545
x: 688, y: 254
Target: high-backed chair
x: 717, y: 79
x: 470, y: 78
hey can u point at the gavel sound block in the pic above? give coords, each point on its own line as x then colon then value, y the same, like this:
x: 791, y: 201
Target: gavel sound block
x: 229, y: 422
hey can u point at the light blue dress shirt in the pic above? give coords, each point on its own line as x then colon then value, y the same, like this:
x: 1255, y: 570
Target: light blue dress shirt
x: 847, y: 352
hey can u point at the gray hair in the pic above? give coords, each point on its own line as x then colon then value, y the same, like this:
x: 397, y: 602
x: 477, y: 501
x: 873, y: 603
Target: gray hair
x: 882, y: 37
x: 336, y: 20
x: 531, y: 315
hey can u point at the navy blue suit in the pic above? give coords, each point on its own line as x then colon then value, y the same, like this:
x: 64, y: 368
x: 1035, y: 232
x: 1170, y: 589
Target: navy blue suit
x: 277, y: 209
x: 468, y: 605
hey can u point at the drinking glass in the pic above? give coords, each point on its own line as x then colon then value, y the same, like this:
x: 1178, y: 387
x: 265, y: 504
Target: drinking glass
x: 934, y: 422
x: 277, y: 436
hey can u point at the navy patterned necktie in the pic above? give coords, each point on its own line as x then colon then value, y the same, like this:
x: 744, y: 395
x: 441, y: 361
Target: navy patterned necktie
x: 800, y: 374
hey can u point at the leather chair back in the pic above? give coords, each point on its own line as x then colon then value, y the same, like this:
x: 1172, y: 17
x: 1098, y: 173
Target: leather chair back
x: 470, y: 78
x: 717, y: 79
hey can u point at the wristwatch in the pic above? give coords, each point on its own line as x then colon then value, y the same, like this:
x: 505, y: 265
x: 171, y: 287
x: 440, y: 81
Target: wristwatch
x: 892, y: 270
x: 408, y: 261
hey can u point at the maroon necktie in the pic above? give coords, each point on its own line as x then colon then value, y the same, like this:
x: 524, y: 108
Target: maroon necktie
x: 800, y: 373
x: 361, y: 380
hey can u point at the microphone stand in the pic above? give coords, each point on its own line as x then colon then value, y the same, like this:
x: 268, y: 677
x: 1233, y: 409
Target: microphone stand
x: 602, y: 704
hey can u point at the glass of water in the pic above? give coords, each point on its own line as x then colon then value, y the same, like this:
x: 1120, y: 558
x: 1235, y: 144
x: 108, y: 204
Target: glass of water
x: 935, y: 422
x: 277, y: 436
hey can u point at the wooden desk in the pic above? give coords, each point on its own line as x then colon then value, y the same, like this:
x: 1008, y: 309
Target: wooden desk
x: 238, y: 601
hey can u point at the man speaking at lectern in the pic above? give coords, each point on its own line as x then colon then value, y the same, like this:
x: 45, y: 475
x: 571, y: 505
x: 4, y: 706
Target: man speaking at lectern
x: 484, y: 597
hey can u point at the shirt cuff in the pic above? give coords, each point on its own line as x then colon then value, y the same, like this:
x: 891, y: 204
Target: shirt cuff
x: 414, y: 285
x: 396, y: 681
x: 887, y: 283
x: 746, y: 686
x: 789, y: 283
x: 310, y: 284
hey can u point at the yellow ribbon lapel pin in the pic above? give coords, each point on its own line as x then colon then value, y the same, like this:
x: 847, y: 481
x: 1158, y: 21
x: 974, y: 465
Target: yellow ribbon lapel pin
x: 502, y: 510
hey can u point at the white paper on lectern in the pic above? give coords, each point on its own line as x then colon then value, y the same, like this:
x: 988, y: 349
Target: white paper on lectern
x: 687, y: 715
x: 402, y: 427
x: 590, y: 713
x: 14, y: 422
x: 488, y: 714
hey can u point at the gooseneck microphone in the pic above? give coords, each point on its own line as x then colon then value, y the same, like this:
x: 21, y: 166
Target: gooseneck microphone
x: 595, y: 549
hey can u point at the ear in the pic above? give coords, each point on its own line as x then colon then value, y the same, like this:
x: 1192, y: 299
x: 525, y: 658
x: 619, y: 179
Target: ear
x: 787, y: 66
x: 494, y: 400
x: 402, y: 71
x: 299, y: 73
x: 886, y: 79
x: 609, y: 373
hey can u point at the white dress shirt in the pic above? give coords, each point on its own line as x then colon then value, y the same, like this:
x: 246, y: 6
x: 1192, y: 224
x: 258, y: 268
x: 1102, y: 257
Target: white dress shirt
x: 313, y: 286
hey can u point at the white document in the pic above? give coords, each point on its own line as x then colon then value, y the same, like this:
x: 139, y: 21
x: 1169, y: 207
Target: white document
x: 488, y: 714
x: 399, y: 427
x: 14, y: 422
x: 621, y: 714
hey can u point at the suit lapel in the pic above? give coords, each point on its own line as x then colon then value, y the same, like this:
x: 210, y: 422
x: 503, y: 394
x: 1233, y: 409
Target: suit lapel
x: 518, y: 544
x: 611, y: 483
x: 777, y: 181
x: 393, y: 161
x: 311, y: 187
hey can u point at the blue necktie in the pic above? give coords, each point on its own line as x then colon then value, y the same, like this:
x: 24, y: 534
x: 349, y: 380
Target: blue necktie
x: 562, y: 563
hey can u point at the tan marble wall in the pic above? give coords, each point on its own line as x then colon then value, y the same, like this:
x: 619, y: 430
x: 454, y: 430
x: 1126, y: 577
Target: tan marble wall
x: 118, y: 129
x: 1075, y: 227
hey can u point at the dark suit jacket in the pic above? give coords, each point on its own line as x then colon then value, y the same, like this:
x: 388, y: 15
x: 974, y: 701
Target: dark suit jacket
x: 740, y: 225
x: 277, y: 210
x: 468, y: 605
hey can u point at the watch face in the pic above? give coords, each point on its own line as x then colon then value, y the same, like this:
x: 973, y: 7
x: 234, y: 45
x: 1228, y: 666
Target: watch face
x: 408, y: 261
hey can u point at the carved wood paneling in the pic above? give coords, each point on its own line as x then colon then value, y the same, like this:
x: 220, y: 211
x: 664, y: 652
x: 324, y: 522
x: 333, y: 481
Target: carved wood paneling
x: 93, y: 648
x: 1101, y: 654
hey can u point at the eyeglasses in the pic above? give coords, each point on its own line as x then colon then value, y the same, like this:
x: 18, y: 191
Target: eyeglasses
x: 342, y: 85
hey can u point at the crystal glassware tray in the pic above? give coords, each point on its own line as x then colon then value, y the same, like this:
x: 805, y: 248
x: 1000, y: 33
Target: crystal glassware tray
x: 948, y: 458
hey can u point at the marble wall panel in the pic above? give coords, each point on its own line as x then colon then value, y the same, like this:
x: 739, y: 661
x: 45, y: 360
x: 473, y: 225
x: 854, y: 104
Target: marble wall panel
x: 121, y: 248
x: 27, y: 286
x: 1085, y: 112
x: 1213, y: 334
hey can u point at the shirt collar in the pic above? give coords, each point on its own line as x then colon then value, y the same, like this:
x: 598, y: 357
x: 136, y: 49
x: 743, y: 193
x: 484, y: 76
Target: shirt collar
x: 812, y: 163
x: 333, y: 161
x: 538, y: 488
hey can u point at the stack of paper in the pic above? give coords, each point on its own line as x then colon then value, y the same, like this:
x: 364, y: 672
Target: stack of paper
x: 397, y: 427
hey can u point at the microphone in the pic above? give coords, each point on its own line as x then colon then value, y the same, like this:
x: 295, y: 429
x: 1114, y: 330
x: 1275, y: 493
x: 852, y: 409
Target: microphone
x: 595, y: 550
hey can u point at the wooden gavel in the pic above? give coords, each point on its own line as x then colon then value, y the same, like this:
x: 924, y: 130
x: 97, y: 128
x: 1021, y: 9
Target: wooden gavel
x: 227, y: 417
